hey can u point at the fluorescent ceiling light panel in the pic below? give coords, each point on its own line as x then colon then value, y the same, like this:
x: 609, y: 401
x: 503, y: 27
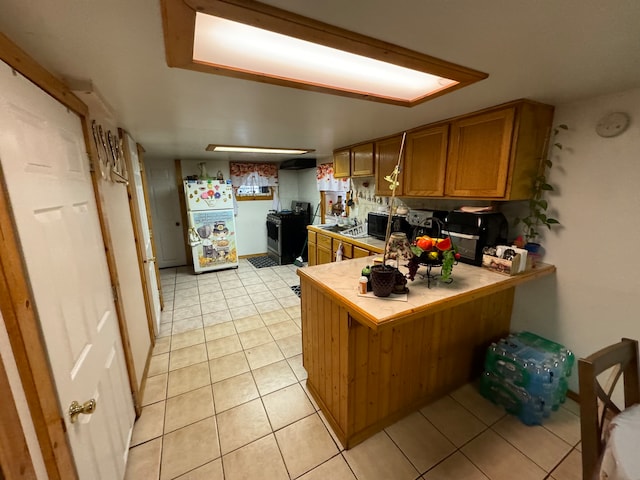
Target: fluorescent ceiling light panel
x: 254, y: 41
x: 233, y: 45
x: 229, y: 148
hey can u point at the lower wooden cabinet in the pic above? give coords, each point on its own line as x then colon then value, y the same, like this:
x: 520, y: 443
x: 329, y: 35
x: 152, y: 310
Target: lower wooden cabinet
x: 323, y: 248
x: 324, y: 252
x: 360, y: 252
x: 311, y: 249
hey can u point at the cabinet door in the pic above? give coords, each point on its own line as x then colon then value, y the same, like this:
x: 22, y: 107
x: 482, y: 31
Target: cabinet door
x: 341, y: 163
x: 360, y: 252
x: 424, y: 163
x: 312, y: 254
x: 311, y: 248
x: 386, y: 155
x: 323, y: 250
x: 347, y: 249
x: 479, y: 151
x: 323, y: 255
x: 362, y: 160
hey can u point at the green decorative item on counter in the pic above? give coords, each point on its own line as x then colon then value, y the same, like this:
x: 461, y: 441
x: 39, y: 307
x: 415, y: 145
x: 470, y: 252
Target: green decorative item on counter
x: 537, y: 215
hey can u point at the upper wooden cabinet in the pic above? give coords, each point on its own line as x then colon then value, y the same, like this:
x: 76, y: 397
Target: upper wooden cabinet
x: 478, y: 163
x: 386, y: 158
x: 425, y: 162
x: 362, y: 160
x: 496, y: 154
x: 491, y: 154
x: 354, y: 162
x: 342, y: 163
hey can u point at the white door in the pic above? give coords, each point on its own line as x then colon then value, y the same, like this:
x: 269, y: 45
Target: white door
x: 149, y: 260
x: 46, y: 169
x: 167, y: 218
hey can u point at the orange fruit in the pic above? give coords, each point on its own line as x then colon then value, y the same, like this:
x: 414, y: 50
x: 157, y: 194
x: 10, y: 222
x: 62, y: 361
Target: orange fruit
x: 425, y: 243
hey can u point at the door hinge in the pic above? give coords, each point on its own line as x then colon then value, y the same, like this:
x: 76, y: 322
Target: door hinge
x: 91, y: 168
x: 115, y: 293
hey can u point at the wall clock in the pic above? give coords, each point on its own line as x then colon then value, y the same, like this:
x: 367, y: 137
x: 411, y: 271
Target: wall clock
x: 613, y: 124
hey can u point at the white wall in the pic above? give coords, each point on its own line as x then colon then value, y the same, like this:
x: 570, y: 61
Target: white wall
x: 594, y: 298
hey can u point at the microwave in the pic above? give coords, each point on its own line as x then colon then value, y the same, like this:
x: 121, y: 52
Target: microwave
x: 377, y: 224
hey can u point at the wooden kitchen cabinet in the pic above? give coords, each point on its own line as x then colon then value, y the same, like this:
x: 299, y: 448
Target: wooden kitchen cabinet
x: 425, y: 162
x: 324, y: 252
x: 362, y: 164
x: 360, y: 252
x: 347, y: 249
x: 311, y: 248
x: 386, y: 158
x: 496, y: 153
x: 323, y: 247
x: 342, y: 163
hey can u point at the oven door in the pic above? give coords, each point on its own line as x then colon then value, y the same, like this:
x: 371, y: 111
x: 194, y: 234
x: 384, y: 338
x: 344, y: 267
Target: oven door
x: 274, y: 239
x: 467, y: 247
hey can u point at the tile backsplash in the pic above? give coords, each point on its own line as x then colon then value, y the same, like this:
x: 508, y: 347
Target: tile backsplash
x: 366, y: 200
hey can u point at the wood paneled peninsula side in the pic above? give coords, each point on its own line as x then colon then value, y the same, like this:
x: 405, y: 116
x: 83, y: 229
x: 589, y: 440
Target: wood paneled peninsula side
x: 370, y: 361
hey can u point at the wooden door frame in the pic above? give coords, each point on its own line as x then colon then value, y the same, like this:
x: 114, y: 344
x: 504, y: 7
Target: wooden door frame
x: 17, y: 302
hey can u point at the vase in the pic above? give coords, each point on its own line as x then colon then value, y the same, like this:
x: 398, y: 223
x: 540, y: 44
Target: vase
x: 532, y: 247
x: 534, y: 253
x: 383, y: 279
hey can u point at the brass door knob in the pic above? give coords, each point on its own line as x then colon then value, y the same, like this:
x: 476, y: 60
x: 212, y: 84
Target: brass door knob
x: 76, y: 409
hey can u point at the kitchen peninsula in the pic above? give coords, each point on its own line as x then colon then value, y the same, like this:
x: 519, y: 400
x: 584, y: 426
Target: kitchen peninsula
x: 370, y: 361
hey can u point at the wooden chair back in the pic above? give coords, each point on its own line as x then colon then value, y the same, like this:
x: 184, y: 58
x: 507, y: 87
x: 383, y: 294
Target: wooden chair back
x: 596, y: 404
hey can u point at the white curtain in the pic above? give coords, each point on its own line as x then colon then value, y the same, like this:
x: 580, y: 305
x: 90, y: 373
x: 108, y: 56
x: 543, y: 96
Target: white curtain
x: 327, y: 182
x: 255, y: 174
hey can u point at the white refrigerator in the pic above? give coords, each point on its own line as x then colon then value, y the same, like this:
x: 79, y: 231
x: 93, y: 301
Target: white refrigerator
x: 212, y: 228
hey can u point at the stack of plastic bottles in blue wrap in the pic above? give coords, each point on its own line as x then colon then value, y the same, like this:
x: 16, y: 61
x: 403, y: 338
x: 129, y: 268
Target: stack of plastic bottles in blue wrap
x: 527, y: 375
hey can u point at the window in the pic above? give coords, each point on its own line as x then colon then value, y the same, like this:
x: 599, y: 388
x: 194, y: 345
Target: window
x: 253, y: 192
x: 254, y: 181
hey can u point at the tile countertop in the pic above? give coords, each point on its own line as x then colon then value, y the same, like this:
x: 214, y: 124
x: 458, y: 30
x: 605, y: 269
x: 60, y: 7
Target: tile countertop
x: 372, y: 244
x: 340, y: 281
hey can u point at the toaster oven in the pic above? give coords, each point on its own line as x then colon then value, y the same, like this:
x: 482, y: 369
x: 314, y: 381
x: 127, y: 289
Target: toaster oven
x: 471, y: 232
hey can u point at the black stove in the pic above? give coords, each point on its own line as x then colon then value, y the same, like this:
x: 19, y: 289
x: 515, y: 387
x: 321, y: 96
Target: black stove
x: 287, y: 232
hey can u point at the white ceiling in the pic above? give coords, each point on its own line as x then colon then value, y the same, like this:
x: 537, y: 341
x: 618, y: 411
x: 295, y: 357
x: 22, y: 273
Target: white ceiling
x: 554, y: 51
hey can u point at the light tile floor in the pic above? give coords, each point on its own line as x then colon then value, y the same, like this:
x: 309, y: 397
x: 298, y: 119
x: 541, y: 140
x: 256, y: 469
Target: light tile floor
x: 225, y: 398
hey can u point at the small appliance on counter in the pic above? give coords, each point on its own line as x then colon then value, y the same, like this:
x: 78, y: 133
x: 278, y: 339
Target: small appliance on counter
x: 472, y: 231
x: 377, y: 224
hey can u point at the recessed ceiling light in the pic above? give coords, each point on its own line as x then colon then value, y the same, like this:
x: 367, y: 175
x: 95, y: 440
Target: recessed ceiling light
x: 255, y: 41
x: 239, y: 149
